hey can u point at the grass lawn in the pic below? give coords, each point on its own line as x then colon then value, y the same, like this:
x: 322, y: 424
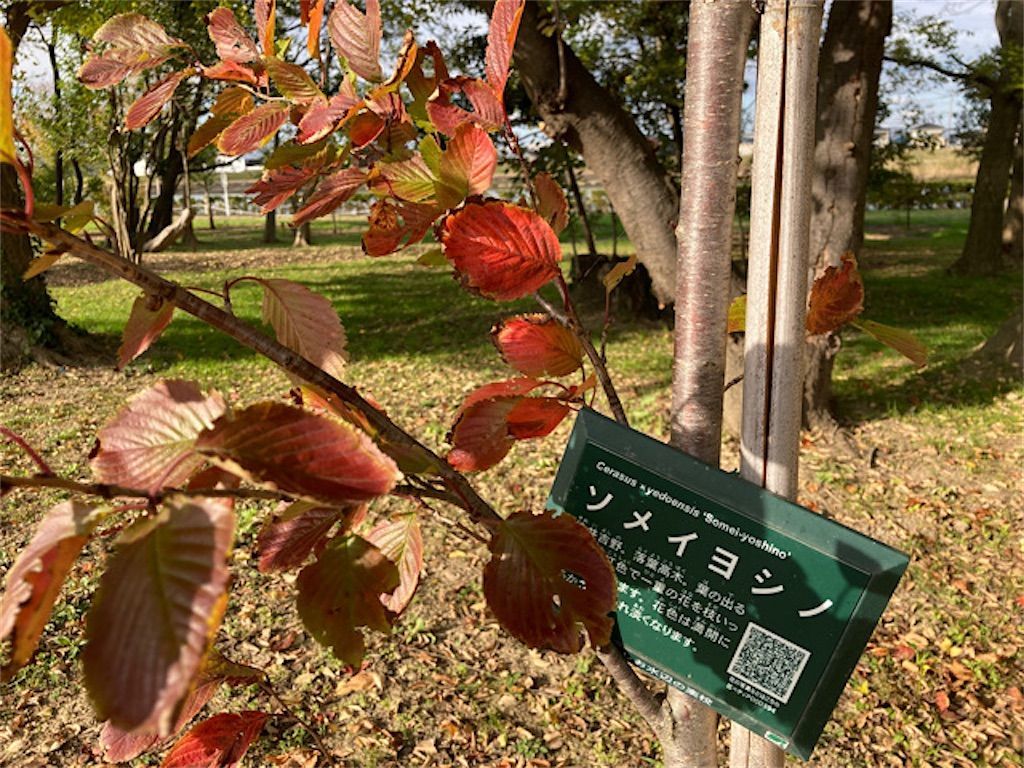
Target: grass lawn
x: 935, y: 472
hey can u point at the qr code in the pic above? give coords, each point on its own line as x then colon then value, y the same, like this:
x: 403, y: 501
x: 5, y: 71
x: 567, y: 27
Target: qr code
x: 769, y: 663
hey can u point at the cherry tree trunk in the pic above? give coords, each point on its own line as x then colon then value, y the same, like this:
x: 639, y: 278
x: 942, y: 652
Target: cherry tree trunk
x: 1013, y: 222
x: 718, y: 37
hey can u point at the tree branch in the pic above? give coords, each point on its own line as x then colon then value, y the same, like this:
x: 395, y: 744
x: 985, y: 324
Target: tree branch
x: 968, y: 76
x: 137, y: 274
x: 110, y: 491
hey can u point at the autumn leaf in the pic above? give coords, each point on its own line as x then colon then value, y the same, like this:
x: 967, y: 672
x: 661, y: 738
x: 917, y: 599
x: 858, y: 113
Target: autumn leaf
x: 737, y: 318
x: 501, y: 40
x: 393, y: 227
x: 551, y: 203
x: 34, y: 580
x: 447, y: 116
x: 233, y: 72
x: 159, y: 602
x: 323, y: 117
x: 314, y: 22
x: 218, y: 742
x: 149, y: 317
x: 500, y: 250
x: 537, y: 345
x: 233, y: 101
x: 293, y: 82
x: 278, y: 185
x: 230, y: 38
x: 253, y: 130
x: 400, y: 541
x: 340, y: 593
x: 356, y: 37
x: 265, y: 16
x: 301, y: 453
x: 331, y: 192
x: 409, y: 180
x: 904, y: 342
x: 149, y: 444
x: 207, y: 133
x: 149, y: 104
x: 135, y: 32
x: 546, y: 578
x: 298, y: 530
x: 837, y: 297
x: 466, y: 165
x: 7, y: 152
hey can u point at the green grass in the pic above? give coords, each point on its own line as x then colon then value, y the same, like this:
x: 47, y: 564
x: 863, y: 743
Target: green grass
x: 394, y: 309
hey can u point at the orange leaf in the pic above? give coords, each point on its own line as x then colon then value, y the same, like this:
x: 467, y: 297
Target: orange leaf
x: 536, y: 345
x: 942, y: 701
x: 546, y: 577
x: 278, y: 185
x: 34, y: 580
x: 500, y: 250
x: 488, y: 111
x: 501, y: 40
x: 837, y: 297
x: 331, y: 192
x: 467, y: 165
x: 265, y: 13
x: 149, y: 317
x: 293, y: 82
x: 400, y: 541
x: 315, y: 20
x: 149, y: 104
x: 551, y: 203
x: 356, y: 37
x: 230, y: 38
x: 253, y: 130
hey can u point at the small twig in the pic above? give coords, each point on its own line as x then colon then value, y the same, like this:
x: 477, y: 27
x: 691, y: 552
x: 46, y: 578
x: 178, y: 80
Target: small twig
x: 732, y: 383
x: 647, y: 703
x: 28, y: 449
x: 320, y: 747
x: 524, y: 167
x: 110, y: 491
x: 196, y: 288
x: 420, y: 492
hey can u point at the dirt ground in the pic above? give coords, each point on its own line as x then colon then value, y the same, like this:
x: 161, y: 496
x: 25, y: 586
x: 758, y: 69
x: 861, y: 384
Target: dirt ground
x: 939, y: 685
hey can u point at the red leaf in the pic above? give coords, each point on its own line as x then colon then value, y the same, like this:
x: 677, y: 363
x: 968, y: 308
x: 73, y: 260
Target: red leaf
x: 232, y: 41
x: 533, y: 582
x: 218, y: 742
x: 206, y: 134
x: 364, y: 128
x: 324, y: 117
x: 331, y: 192
x: 232, y: 72
x: 120, y: 746
x: 115, y: 65
x: 293, y: 82
x: 392, y: 227
x: 356, y: 37
x: 305, y: 322
x: 480, y: 437
x: 150, y: 444
x: 158, y: 603
x: 837, y: 297
x: 298, y: 530
x: 510, y: 387
x: 34, y: 580
x: 315, y: 20
x: 536, y: 345
x: 278, y: 185
x: 233, y: 101
x: 302, y: 453
x: 551, y: 203
x: 265, y: 14
x: 149, y: 316
x: 500, y: 250
x: 467, y: 165
x: 253, y: 130
x: 904, y: 342
x: 149, y: 104
x: 536, y: 417
x: 501, y: 40
x: 942, y: 701
x: 488, y: 111
x: 341, y: 591
x: 400, y: 541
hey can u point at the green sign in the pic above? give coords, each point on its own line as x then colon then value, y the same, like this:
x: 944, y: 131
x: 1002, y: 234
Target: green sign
x: 748, y: 602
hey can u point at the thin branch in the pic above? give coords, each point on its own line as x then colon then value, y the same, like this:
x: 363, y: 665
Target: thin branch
x: 968, y: 75
x: 111, y: 491
x: 732, y: 383
x: 268, y: 688
x: 154, y: 284
x: 22, y: 443
x: 647, y: 703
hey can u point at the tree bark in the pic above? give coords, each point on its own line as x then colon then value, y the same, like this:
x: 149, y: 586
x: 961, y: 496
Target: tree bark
x: 849, y: 67
x: 1013, y: 222
x: 590, y: 121
x: 270, y: 227
x: 718, y: 36
x: 983, y: 252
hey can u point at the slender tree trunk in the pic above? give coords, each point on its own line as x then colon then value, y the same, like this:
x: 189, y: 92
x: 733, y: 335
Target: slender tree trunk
x: 1013, y: 223
x: 79, y: 181
x: 270, y: 227
x: 983, y: 249
x: 209, y: 202
x: 58, y: 159
x: 718, y: 37
x: 303, y: 236
x: 188, y: 235
x: 849, y: 68
x: 592, y: 123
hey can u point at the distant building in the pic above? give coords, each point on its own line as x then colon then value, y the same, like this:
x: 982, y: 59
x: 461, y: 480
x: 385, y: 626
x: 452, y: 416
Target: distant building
x: 883, y: 137
x: 928, y: 135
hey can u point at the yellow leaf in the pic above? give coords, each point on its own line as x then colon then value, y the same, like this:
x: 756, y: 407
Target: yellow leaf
x: 7, y: 154
x: 619, y: 271
x: 42, y: 263
x: 737, y: 321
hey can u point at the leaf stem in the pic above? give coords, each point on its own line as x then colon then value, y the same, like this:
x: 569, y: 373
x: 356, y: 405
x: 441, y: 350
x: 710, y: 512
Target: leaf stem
x: 22, y: 443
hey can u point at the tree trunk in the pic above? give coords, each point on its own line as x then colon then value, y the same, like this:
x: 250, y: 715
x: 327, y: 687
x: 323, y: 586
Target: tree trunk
x: 270, y: 227
x: 1007, y: 343
x: 849, y: 67
x: 1013, y: 223
x: 27, y: 319
x: 591, y: 122
x: 162, y: 213
x: 983, y: 249
x: 303, y: 236
x: 718, y: 37
x: 79, y: 181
